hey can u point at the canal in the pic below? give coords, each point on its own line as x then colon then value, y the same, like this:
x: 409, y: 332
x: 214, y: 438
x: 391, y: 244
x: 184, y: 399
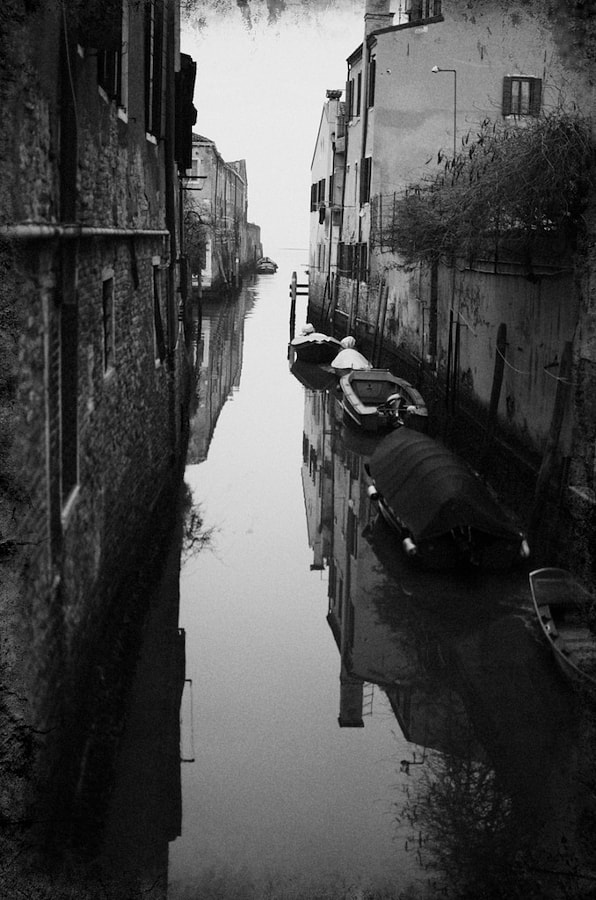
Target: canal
x: 349, y: 726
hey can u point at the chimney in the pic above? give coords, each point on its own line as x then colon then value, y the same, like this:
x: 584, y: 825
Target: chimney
x: 377, y: 15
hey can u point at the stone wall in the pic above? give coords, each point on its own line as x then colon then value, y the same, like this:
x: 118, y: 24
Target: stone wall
x: 94, y: 382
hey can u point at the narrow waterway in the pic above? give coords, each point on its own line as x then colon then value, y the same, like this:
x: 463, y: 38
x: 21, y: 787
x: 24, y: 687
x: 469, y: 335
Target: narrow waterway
x: 276, y: 786
x: 348, y: 722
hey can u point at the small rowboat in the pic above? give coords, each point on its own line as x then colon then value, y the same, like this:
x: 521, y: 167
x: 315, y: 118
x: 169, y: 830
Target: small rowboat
x: 376, y: 400
x: 562, y: 607
x: 314, y: 347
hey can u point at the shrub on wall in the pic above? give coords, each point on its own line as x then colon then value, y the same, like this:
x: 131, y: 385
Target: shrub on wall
x: 515, y: 189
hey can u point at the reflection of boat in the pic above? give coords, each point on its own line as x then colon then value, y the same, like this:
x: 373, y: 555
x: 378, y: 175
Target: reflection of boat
x: 375, y: 400
x: 440, y: 507
x: 313, y: 377
x: 315, y: 347
x: 266, y: 266
x: 562, y: 606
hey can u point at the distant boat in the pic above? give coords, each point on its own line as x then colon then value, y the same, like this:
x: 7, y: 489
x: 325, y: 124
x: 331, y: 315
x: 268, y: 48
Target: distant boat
x: 266, y: 266
x: 376, y: 400
x: 562, y: 606
x: 314, y: 347
x: 444, y: 514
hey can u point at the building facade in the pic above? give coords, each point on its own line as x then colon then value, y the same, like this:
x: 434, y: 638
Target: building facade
x: 97, y: 106
x: 224, y: 244
x: 419, y: 87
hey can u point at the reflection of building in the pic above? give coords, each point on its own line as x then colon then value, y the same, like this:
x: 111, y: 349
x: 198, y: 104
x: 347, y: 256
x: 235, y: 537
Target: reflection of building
x: 218, y: 368
x: 317, y: 457
x: 222, y: 244
x: 145, y: 810
x: 373, y: 628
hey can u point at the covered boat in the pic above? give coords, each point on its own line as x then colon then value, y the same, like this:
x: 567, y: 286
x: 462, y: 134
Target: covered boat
x: 314, y: 347
x: 376, y: 400
x: 266, y: 266
x: 563, y: 607
x: 349, y: 359
x: 443, y: 512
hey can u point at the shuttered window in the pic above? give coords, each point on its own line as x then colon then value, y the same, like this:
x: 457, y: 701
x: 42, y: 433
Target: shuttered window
x: 521, y: 96
x: 372, y: 71
x: 365, y: 179
x: 154, y: 66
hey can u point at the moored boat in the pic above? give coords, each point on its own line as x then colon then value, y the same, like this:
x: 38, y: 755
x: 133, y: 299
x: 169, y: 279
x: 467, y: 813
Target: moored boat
x: 314, y: 347
x: 444, y: 514
x: 313, y: 377
x: 376, y: 400
x: 563, y: 607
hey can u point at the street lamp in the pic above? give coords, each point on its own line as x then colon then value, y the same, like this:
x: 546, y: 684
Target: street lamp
x: 435, y: 70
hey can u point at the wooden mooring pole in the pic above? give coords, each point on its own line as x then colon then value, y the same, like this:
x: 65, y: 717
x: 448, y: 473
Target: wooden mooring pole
x: 550, y: 453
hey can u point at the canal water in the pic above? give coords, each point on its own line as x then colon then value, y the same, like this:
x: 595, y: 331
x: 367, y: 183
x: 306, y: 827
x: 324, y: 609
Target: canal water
x: 349, y: 725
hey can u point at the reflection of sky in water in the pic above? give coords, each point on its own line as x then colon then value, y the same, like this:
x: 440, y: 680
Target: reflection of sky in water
x: 276, y: 782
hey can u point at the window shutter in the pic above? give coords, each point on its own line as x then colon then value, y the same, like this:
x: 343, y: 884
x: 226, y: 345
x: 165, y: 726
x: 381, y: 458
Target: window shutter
x: 535, y: 96
x: 372, y: 69
x: 350, y: 98
x: 506, y: 105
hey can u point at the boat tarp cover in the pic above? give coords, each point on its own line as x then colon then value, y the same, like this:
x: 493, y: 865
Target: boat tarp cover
x: 432, y: 491
x: 313, y: 376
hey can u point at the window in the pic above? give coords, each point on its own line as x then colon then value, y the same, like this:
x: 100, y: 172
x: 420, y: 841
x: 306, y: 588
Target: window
x: 352, y: 260
x: 112, y: 58
x: 521, y: 96
x: 352, y: 534
x: 350, y: 98
x: 365, y: 178
x: 372, y: 71
x: 417, y: 10
x: 313, y: 197
x: 154, y: 66
x: 108, y: 322
x: 158, y: 332
x: 69, y: 447
x: 358, y: 93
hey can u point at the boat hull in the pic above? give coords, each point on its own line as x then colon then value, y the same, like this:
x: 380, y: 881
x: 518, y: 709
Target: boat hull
x: 375, y: 400
x: 441, y: 510
x: 562, y: 606
x: 320, y: 351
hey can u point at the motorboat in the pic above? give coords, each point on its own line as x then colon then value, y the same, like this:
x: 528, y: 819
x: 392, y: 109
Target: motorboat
x: 443, y: 512
x: 377, y: 400
x: 563, y: 608
x: 266, y: 266
x: 314, y: 347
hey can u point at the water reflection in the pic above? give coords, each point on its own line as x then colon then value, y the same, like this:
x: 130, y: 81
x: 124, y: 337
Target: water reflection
x: 495, y: 802
x: 218, y: 365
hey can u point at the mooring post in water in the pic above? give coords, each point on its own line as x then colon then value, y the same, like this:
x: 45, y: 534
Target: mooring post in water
x: 293, y: 293
x: 547, y: 466
x: 495, y: 394
x: 449, y: 356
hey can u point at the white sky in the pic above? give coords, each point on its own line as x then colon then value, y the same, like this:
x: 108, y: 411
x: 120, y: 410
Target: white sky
x: 259, y: 94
